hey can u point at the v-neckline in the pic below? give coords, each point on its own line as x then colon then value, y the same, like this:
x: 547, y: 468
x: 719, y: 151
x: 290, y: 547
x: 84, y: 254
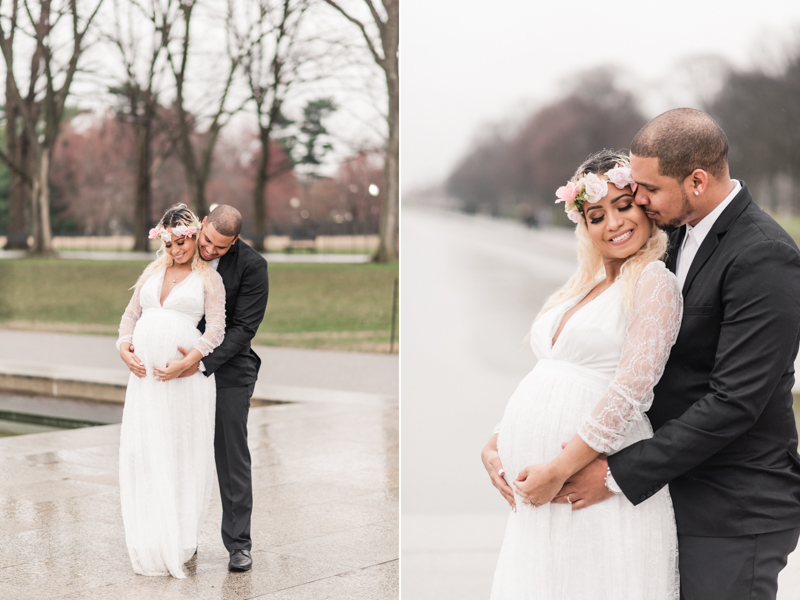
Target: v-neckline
x: 560, y: 318
x: 161, y: 287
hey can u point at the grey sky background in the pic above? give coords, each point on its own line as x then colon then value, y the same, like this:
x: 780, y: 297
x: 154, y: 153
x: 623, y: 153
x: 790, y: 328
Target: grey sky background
x: 467, y: 64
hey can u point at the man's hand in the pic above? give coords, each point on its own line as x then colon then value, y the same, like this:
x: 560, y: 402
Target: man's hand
x: 587, y: 486
x: 193, y: 368
x: 491, y: 461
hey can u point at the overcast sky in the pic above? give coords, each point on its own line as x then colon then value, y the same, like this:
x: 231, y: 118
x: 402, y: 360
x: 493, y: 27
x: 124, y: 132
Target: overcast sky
x: 466, y: 63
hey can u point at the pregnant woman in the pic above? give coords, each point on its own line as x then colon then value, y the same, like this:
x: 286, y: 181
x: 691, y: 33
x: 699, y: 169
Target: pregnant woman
x: 602, y: 342
x: 167, y: 440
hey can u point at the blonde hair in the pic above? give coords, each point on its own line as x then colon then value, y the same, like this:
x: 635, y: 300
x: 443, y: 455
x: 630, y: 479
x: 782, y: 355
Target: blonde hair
x: 591, y: 269
x: 176, y: 215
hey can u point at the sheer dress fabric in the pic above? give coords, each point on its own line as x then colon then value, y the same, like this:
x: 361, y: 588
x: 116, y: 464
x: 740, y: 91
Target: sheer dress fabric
x: 167, y: 438
x: 595, y: 381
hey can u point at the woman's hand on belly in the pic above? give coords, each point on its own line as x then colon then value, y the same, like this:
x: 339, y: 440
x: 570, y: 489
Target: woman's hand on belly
x: 134, y: 364
x: 539, y: 484
x: 491, y: 461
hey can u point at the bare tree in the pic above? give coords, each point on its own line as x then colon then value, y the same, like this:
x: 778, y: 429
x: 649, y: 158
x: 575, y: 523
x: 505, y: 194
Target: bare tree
x: 272, y: 67
x: 18, y: 149
x: 384, y: 51
x: 198, y: 168
x: 41, y: 126
x: 140, y: 91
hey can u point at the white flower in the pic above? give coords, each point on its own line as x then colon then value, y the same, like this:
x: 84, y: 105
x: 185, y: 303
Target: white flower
x: 595, y: 188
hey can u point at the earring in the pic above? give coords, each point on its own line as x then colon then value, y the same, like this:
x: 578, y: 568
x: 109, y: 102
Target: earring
x: 696, y: 193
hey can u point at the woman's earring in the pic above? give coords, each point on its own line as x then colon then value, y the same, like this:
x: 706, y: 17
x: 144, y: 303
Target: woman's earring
x: 696, y: 193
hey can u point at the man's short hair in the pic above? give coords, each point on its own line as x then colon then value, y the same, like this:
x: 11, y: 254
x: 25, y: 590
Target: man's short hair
x: 683, y: 139
x: 226, y: 220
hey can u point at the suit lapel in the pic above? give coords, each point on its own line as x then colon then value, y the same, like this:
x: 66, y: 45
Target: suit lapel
x: 226, y: 262
x: 712, y: 241
x: 675, y: 241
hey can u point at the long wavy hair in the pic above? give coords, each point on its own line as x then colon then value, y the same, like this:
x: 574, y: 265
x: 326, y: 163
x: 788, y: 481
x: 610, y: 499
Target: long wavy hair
x: 591, y: 269
x: 176, y: 215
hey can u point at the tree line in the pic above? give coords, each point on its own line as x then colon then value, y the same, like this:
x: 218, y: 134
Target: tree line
x: 178, y: 73
x: 515, y: 172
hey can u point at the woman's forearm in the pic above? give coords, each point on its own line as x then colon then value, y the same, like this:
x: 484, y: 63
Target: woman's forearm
x: 192, y: 357
x: 575, y: 456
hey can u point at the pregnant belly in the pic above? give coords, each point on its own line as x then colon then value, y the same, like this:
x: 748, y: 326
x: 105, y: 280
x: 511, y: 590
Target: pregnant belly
x: 545, y: 411
x: 158, y: 334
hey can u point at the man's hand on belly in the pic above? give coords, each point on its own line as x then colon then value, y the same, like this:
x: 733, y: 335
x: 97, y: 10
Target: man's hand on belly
x: 587, y: 486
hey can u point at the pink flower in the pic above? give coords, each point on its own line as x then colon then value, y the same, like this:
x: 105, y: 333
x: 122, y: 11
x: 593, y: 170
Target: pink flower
x: 184, y: 231
x: 621, y: 177
x: 567, y: 193
x: 166, y: 236
x: 575, y: 216
x: 154, y: 232
x: 595, y: 187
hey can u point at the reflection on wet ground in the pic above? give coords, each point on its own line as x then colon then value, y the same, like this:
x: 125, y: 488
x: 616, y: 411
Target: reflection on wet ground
x: 325, y: 520
x: 9, y: 427
x: 21, y: 414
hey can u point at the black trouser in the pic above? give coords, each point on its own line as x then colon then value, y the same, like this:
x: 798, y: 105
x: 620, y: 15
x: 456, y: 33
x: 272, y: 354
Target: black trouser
x: 233, y: 465
x: 734, y: 568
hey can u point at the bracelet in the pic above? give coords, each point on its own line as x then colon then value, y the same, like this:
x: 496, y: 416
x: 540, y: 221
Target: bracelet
x: 611, y: 484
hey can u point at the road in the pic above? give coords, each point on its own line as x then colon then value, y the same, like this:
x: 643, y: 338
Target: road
x: 471, y: 287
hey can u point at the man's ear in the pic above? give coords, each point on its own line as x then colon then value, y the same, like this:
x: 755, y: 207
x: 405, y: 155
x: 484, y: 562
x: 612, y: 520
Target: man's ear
x: 203, y: 222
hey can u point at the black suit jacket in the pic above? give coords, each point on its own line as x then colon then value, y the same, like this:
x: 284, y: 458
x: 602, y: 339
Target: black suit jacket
x: 725, y: 436
x: 244, y: 274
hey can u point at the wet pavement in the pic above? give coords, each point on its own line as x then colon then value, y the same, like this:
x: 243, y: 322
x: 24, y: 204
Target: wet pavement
x: 471, y: 288
x: 325, y: 473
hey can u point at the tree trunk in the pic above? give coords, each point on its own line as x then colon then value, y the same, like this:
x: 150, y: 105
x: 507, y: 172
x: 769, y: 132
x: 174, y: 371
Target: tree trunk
x: 260, y: 194
x: 43, y: 241
x: 18, y: 223
x: 142, y: 212
x: 388, y: 249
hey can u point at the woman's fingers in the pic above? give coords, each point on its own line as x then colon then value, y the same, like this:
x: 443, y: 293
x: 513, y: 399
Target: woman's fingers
x: 135, y: 365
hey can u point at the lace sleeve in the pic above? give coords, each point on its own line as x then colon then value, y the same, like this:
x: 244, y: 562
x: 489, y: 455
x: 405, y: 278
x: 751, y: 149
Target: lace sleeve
x: 132, y: 313
x: 215, y: 316
x: 651, y: 333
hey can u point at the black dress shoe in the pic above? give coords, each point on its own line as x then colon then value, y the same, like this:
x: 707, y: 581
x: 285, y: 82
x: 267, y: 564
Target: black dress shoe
x: 240, y: 560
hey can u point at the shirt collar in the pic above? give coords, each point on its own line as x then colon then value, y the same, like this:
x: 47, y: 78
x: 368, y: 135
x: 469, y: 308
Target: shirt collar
x: 700, y: 231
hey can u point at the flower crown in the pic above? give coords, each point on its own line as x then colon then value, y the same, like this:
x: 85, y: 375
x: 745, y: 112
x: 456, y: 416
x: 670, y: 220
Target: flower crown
x: 179, y: 231
x: 591, y: 188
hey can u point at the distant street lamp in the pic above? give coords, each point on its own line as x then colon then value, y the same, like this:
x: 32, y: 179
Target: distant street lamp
x: 373, y: 189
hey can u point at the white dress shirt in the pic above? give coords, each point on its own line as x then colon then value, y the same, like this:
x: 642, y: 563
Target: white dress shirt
x: 696, y: 234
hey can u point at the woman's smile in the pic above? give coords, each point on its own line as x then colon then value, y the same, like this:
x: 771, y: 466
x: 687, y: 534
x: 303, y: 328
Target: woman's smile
x: 621, y: 238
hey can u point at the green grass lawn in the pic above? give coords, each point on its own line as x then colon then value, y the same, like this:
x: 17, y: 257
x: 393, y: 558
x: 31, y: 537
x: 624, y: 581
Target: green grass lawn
x: 791, y: 225
x: 335, y: 306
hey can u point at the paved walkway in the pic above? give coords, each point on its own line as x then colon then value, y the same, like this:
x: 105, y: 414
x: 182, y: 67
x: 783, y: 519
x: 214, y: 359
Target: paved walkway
x: 463, y: 355
x: 325, y: 472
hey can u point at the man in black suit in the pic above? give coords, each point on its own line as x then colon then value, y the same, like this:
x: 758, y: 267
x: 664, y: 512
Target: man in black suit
x: 725, y: 435
x: 235, y: 366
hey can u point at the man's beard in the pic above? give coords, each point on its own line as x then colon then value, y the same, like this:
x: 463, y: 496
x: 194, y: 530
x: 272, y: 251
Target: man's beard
x: 681, y: 219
